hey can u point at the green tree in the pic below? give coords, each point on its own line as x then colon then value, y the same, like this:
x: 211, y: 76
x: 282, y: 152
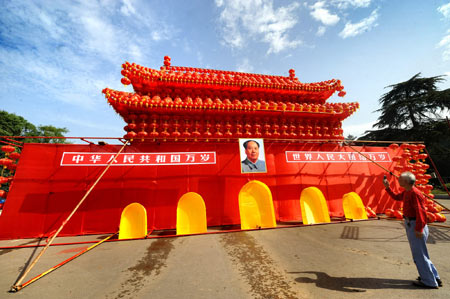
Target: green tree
x: 51, y: 131
x: 415, y: 110
x: 15, y: 125
x: 413, y: 102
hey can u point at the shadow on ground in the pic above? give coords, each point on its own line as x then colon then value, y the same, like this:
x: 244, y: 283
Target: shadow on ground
x: 352, y: 284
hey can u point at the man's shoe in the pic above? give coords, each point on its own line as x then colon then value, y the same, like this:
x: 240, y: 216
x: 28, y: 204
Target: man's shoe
x: 420, y: 284
x: 439, y: 282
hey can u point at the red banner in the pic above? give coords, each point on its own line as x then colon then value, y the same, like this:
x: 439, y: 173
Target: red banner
x: 336, y: 157
x: 137, y: 159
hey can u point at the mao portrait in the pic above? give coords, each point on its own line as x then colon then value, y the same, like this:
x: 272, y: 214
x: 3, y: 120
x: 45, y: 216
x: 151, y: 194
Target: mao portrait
x: 252, y: 156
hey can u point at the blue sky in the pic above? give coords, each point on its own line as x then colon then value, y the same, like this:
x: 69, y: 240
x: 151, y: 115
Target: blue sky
x: 57, y: 56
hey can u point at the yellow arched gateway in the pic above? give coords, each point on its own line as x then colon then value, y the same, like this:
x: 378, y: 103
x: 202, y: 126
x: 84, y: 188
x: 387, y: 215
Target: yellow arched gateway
x: 256, y: 206
x: 314, y: 207
x: 133, y: 222
x: 191, y: 214
x: 353, y: 206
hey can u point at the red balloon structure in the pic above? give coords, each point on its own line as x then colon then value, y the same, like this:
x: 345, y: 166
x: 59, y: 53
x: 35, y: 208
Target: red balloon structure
x: 413, y: 159
x: 185, y: 103
x: 7, y: 163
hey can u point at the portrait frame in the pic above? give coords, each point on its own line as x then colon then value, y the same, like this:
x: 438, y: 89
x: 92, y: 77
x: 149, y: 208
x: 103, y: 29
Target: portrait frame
x: 261, y: 157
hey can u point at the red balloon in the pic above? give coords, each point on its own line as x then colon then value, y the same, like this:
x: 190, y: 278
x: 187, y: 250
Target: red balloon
x: 408, y: 167
x: 422, y: 156
x: 3, y: 180
x: 14, y: 156
x: 398, y: 168
x: 431, y: 217
x: 389, y: 212
x: 397, y: 214
x: 8, y: 148
x: 125, y: 81
x: 440, y: 217
x: 420, y: 146
x: 393, y: 146
x: 142, y: 134
x: 131, y: 134
x: 406, y: 155
x: 397, y: 158
x: 5, y: 162
x: 404, y: 145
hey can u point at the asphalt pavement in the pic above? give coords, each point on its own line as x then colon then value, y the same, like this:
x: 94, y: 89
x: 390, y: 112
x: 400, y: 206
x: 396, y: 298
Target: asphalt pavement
x: 345, y: 260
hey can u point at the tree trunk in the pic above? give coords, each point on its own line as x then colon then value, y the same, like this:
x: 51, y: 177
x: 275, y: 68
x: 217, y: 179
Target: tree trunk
x: 411, y: 116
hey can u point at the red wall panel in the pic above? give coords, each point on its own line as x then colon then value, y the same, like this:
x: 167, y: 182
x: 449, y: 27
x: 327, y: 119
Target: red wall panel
x: 44, y: 193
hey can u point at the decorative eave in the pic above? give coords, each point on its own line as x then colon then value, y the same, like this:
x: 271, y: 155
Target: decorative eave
x: 125, y: 103
x: 175, y: 80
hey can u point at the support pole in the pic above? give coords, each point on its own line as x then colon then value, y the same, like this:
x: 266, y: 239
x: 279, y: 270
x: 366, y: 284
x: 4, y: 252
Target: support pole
x: 17, y: 286
x: 64, y: 262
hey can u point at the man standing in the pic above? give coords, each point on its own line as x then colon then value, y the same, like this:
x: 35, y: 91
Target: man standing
x: 251, y: 163
x: 416, y: 229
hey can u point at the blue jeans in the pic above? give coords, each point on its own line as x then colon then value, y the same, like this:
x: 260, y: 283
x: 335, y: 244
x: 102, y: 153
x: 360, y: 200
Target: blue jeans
x: 425, y: 267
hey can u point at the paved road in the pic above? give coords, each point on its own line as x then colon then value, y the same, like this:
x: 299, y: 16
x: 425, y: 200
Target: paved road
x: 349, y: 260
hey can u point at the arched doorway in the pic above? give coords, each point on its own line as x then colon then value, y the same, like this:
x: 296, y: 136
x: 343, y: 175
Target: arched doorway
x: 353, y: 206
x: 256, y: 206
x: 314, y: 207
x: 191, y: 214
x: 133, y: 222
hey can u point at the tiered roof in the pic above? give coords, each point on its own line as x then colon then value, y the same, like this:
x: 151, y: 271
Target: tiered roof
x: 226, y: 96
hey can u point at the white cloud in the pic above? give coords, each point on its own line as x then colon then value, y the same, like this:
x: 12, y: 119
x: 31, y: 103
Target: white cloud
x: 445, y: 10
x: 55, y: 53
x: 244, y: 66
x: 321, y: 30
x: 445, y: 41
x: 354, y: 29
x: 135, y: 52
x: 344, y: 4
x: 127, y: 8
x: 320, y: 13
x: 258, y: 19
x: 101, y: 36
x: 445, y: 44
